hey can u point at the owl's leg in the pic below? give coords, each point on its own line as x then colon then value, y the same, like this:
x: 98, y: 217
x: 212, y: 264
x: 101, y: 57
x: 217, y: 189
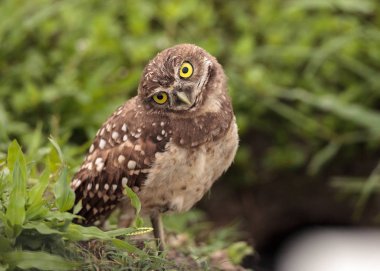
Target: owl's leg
x: 158, y: 230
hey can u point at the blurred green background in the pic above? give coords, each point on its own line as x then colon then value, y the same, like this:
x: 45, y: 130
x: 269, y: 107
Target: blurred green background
x: 304, y: 77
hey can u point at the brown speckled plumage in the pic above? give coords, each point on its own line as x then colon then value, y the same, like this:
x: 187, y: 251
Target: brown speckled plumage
x: 170, y: 153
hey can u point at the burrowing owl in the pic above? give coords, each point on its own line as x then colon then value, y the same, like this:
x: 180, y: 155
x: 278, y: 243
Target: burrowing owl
x: 169, y: 143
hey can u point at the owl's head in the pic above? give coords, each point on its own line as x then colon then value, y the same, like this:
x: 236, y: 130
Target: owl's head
x: 178, y: 79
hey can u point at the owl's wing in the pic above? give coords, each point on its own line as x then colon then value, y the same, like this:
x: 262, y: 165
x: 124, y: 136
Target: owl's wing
x: 121, y: 155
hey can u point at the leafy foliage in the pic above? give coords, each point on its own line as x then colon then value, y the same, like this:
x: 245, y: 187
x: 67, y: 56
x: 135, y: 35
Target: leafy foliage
x: 303, y: 76
x: 308, y: 69
x: 35, y: 230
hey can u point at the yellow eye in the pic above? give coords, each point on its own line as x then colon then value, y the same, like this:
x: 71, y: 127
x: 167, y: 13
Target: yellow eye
x: 160, y: 97
x: 186, y: 70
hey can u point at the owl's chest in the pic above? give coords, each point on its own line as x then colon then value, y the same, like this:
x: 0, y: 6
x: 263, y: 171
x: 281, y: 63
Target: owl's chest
x: 181, y: 176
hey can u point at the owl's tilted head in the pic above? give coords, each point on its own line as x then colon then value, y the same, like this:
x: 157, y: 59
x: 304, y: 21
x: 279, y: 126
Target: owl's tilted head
x: 180, y: 78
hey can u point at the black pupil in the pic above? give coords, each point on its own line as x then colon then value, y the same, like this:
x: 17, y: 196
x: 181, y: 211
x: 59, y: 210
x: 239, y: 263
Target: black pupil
x: 160, y: 96
x: 185, y: 69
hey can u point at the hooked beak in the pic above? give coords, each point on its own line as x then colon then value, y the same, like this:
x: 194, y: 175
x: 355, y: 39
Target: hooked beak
x: 183, y: 98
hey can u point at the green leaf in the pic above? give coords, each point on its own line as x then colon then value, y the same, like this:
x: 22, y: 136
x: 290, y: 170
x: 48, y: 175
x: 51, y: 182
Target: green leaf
x: 135, y: 202
x: 41, y: 227
x: 77, y: 232
x: 15, y: 213
x: 64, y: 196
x: 39, y: 260
x: 57, y: 148
x: 14, y: 154
x: 77, y: 207
x: 54, y: 215
x: 36, y: 210
x: 37, y: 191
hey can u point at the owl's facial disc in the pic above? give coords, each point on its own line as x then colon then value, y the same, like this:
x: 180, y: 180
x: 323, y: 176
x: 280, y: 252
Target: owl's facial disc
x: 191, y: 78
x: 177, y: 78
x: 172, y: 99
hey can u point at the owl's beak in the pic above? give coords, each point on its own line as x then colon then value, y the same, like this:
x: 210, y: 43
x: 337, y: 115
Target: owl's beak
x: 183, y: 97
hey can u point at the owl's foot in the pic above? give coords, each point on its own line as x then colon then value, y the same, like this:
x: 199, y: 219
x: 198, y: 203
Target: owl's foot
x: 158, y: 231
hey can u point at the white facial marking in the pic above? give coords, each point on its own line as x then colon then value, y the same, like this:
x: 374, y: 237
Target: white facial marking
x: 131, y: 164
x: 121, y: 158
x: 102, y: 143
